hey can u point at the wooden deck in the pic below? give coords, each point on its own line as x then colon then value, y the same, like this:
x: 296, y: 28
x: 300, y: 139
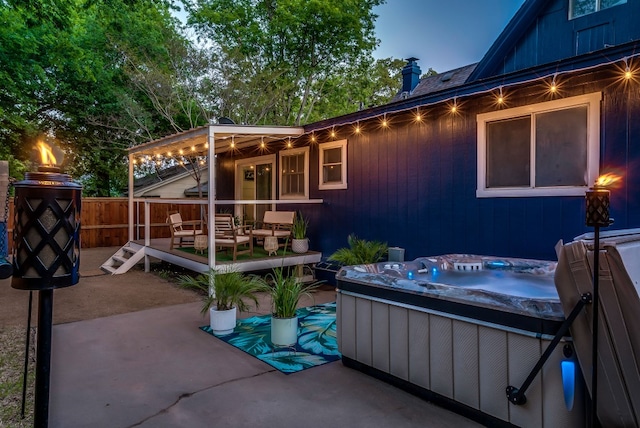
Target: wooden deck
x: 159, y: 249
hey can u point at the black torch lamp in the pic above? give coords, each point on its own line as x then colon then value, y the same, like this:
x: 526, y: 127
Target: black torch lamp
x: 46, y: 254
x: 597, y: 216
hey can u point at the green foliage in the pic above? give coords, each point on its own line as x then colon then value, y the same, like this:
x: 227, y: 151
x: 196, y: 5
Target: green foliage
x: 300, y: 225
x: 291, y: 48
x: 360, y: 251
x: 286, y: 292
x: 230, y: 289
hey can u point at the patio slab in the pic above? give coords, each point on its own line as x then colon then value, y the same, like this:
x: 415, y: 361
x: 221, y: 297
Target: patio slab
x: 155, y: 368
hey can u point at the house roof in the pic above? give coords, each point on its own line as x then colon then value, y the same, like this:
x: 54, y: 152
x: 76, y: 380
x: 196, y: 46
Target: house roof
x: 196, y: 140
x: 439, y: 82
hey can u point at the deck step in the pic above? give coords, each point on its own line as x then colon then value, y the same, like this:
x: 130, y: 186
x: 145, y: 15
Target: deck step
x: 108, y: 269
x: 123, y: 260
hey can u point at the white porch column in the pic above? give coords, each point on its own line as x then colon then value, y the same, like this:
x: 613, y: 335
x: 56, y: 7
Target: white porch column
x: 211, y: 196
x: 130, y: 204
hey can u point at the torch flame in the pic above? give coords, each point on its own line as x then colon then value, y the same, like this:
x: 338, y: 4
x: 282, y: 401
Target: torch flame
x: 46, y: 154
x: 607, y: 180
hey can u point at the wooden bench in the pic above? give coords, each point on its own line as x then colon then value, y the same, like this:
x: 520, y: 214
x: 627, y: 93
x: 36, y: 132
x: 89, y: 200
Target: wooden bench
x: 275, y: 223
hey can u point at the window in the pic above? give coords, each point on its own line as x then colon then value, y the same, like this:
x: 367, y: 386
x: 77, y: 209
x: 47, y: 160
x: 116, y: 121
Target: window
x: 294, y: 173
x: 333, y: 165
x: 584, y: 7
x: 547, y: 149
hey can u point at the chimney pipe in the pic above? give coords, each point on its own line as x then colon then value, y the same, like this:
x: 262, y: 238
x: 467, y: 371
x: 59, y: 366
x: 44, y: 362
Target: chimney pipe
x: 410, y: 75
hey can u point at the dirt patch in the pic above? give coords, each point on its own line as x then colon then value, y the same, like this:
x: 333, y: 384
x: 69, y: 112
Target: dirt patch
x: 97, y: 295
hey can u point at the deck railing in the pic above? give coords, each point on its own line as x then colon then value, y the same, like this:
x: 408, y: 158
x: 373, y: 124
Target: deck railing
x: 105, y: 220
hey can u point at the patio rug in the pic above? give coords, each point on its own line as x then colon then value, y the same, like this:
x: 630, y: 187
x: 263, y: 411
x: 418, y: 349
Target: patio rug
x: 316, y: 344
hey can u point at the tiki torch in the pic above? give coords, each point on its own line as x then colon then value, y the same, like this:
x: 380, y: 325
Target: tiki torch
x: 597, y: 216
x: 46, y: 254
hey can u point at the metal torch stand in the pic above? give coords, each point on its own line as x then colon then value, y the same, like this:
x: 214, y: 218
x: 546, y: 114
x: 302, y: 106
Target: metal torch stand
x: 43, y: 359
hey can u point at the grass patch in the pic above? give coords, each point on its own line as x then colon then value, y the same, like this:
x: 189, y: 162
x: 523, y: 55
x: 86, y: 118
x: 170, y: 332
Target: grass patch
x: 12, y: 341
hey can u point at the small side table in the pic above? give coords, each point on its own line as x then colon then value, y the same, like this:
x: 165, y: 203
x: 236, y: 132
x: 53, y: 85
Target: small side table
x: 200, y: 243
x: 271, y: 244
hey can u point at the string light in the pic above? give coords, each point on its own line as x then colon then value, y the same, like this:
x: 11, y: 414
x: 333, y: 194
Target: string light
x: 289, y: 143
x: 626, y: 74
x: 262, y: 142
x: 418, y: 116
x: 193, y: 148
x: 554, y: 87
x: 233, y: 142
x: 181, y: 152
x: 206, y: 145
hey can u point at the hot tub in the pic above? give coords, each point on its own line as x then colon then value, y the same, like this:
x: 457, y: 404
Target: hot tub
x: 458, y: 330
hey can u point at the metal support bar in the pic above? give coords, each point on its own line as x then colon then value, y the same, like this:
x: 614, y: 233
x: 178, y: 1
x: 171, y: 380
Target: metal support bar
x: 516, y: 395
x: 26, y: 356
x: 43, y: 360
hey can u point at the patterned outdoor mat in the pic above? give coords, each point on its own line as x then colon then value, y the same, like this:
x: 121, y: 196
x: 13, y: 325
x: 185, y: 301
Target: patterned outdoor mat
x: 316, y: 344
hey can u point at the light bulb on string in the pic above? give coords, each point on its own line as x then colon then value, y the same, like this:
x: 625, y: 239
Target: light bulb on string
x: 313, y: 137
x: 385, y: 122
x: 193, y: 148
x: 289, y: 143
x: 454, y: 107
x: 500, y: 97
x: 206, y: 145
x: 233, y: 142
x: 554, y: 86
x: 333, y: 133
x: 418, y: 116
x: 357, y: 129
x: 262, y: 142
x: 181, y: 152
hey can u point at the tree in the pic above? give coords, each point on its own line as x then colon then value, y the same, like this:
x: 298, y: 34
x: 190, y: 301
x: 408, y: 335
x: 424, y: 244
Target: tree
x: 290, y: 48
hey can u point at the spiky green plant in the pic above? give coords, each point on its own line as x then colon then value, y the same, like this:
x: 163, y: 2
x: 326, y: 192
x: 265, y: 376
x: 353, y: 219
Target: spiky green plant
x: 300, y: 225
x: 360, y: 252
x: 230, y: 289
x: 286, y: 292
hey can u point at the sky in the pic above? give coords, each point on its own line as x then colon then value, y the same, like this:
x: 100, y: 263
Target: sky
x: 442, y: 34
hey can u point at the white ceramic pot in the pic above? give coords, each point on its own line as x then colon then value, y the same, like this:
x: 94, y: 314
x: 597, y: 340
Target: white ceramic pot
x: 300, y: 245
x: 222, y: 322
x: 284, y: 331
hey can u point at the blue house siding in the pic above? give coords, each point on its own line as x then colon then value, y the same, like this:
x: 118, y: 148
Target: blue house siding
x: 542, y: 33
x: 413, y: 185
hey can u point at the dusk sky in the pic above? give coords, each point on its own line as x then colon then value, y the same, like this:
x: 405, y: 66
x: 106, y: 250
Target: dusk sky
x: 443, y: 34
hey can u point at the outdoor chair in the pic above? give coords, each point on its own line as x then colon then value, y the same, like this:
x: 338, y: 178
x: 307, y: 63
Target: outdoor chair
x: 182, y: 230
x: 230, y: 236
x: 275, y: 223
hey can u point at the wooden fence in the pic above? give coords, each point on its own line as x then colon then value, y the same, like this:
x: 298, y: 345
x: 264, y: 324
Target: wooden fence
x: 105, y: 221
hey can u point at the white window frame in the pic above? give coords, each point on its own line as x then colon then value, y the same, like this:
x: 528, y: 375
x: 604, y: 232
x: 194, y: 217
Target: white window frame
x: 342, y: 144
x: 292, y: 152
x: 598, y: 4
x: 592, y: 101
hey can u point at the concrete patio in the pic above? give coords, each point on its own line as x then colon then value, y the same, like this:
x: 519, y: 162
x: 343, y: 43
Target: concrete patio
x: 155, y: 368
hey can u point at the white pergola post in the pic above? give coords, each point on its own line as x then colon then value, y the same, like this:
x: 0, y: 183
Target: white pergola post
x: 130, y: 204
x: 211, y: 197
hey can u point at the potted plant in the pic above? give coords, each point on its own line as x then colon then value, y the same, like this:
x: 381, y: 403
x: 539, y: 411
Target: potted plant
x: 286, y: 292
x: 300, y: 242
x: 225, y: 292
x: 360, y: 251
